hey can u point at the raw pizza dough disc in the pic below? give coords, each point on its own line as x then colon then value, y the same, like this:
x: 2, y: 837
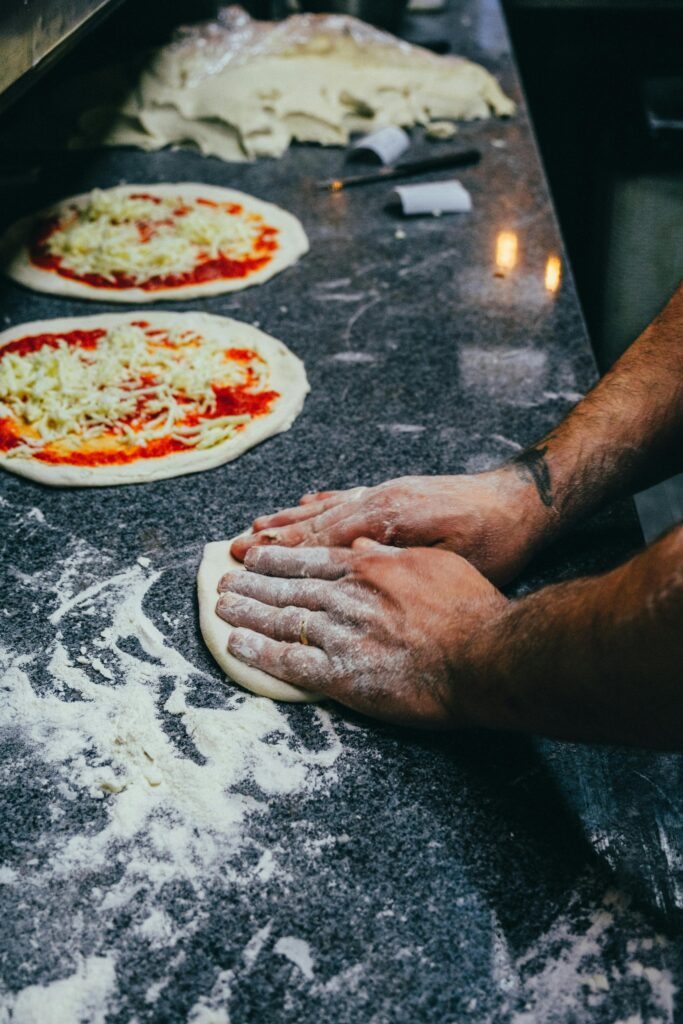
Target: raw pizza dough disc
x: 15, y: 257
x: 286, y: 375
x: 216, y: 561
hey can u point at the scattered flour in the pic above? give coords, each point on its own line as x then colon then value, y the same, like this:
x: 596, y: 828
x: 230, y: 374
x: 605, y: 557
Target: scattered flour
x: 512, y: 375
x: 211, y: 1009
x: 83, y: 996
x: 396, y: 429
x: 559, y: 977
x: 162, y: 789
x: 353, y: 357
x: 298, y: 952
x: 120, y: 729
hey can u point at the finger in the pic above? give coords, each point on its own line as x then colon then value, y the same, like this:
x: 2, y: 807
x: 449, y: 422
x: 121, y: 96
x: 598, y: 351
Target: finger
x: 367, y: 544
x: 340, y: 602
x: 289, y: 536
x: 308, y: 667
x: 240, y: 546
x: 318, y: 496
x: 333, y: 497
x: 289, y: 515
x: 316, y: 595
x: 338, y: 527
x: 300, y: 563
x: 294, y: 625
x: 309, y: 505
x: 292, y: 534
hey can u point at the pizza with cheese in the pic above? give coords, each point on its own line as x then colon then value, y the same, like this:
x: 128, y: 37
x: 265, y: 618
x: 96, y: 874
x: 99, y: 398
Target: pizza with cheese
x: 142, y: 243
x: 127, y: 398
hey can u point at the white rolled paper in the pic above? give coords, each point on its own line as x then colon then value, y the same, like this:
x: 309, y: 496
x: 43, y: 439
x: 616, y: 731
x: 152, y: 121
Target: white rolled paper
x: 434, y: 197
x: 387, y: 143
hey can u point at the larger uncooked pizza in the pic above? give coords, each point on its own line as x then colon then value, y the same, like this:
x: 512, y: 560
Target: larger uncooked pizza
x: 131, y: 397
x: 142, y: 243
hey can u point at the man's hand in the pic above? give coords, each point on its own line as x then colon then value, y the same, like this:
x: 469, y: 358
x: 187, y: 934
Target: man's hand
x: 624, y: 436
x: 385, y: 631
x: 419, y: 636
x: 494, y: 520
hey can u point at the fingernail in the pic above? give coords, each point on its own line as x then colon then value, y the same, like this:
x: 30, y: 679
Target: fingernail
x: 226, y: 603
x: 240, y: 645
x: 252, y: 557
x: 225, y: 581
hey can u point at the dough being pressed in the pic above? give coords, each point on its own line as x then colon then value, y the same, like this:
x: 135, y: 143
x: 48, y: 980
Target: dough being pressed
x: 216, y: 561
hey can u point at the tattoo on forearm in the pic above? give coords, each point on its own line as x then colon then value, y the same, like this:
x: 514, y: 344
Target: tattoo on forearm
x: 531, y: 465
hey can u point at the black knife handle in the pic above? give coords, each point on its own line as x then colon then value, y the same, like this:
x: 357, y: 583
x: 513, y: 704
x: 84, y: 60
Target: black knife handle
x: 461, y: 158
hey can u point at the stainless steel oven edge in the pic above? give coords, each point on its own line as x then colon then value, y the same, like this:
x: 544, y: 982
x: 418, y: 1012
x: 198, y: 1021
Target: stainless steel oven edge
x: 34, y: 32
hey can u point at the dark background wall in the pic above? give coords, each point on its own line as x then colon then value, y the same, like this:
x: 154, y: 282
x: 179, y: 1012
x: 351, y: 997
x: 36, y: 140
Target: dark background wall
x: 589, y: 73
x: 605, y: 86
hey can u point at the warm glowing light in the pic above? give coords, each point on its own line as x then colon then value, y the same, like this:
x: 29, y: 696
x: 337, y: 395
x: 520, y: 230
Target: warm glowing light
x: 507, y: 250
x: 553, y: 274
x: 336, y: 186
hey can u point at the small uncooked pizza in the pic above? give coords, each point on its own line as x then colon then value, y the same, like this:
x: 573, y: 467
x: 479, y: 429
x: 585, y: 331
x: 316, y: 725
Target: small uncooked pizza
x: 216, y: 561
x: 131, y: 397
x: 142, y: 243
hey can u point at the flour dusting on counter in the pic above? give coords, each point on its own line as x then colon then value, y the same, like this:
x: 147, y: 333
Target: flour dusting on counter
x: 83, y: 996
x: 562, y: 976
x: 297, y: 951
x: 111, y: 741
x: 161, y: 784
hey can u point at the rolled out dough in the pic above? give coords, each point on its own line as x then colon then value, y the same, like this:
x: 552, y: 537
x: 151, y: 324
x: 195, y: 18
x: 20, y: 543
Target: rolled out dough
x: 216, y: 561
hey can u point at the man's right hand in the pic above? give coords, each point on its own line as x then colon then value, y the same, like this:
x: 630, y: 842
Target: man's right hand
x: 495, y: 520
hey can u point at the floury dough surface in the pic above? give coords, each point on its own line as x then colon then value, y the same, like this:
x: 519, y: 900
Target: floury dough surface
x: 240, y: 89
x: 216, y: 561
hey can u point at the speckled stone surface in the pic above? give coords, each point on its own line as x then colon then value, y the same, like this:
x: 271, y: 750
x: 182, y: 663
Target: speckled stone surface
x: 393, y: 877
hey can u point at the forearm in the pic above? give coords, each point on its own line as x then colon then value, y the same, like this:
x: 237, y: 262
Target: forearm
x: 625, y: 435
x: 598, y: 659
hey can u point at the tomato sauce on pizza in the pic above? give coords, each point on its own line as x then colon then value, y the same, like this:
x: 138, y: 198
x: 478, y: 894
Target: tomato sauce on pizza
x: 121, y: 240
x: 108, y: 397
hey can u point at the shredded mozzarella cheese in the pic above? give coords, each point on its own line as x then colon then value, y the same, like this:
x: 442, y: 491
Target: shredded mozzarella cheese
x: 133, y: 385
x: 115, y: 233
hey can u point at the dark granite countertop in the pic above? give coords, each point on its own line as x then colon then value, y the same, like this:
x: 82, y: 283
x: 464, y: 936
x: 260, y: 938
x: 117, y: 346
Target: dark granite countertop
x: 246, y: 861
